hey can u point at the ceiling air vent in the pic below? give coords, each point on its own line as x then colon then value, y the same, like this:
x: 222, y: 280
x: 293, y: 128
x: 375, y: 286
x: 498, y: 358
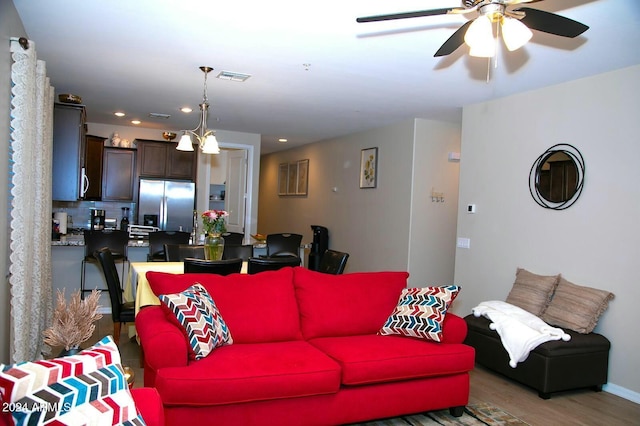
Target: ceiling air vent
x: 158, y: 115
x: 233, y: 76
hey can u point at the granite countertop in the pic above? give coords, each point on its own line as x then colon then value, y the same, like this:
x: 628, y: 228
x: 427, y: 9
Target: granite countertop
x: 78, y: 240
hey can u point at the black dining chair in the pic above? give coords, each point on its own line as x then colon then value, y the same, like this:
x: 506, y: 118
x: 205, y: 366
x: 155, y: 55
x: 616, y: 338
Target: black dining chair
x: 121, y: 311
x: 283, y: 244
x: 333, y: 262
x: 233, y: 238
x: 244, y: 252
x: 117, y: 242
x: 158, y: 239
x: 261, y: 264
x: 178, y: 252
x: 220, y: 267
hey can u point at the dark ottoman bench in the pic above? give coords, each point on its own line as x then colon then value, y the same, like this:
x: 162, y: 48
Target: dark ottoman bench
x: 553, y: 366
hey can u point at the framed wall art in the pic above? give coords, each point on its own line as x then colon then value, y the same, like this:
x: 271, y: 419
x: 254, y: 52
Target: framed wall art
x: 293, y: 178
x: 369, y: 168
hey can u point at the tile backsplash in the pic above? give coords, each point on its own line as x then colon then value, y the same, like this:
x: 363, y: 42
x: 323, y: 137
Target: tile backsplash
x: 79, y: 212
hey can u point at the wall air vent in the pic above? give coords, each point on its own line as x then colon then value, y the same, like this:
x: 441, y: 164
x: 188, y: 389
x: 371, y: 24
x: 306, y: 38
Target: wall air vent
x: 158, y: 115
x: 233, y: 76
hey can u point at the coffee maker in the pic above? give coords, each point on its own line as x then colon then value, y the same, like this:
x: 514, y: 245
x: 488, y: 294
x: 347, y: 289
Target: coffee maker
x: 97, y: 219
x: 319, y: 245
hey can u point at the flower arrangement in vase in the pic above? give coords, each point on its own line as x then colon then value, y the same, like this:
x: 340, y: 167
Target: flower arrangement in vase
x: 73, y: 323
x: 214, y: 226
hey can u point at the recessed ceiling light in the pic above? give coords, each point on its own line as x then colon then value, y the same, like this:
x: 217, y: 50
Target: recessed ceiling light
x: 119, y: 114
x: 135, y: 121
x: 186, y: 109
x: 283, y: 140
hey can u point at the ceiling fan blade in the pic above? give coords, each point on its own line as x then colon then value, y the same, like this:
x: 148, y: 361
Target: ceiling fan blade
x: 456, y: 40
x: 405, y: 15
x: 551, y: 23
x: 514, y: 2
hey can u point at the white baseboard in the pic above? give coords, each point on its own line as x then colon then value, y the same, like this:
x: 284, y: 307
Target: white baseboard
x: 104, y: 310
x: 622, y: 392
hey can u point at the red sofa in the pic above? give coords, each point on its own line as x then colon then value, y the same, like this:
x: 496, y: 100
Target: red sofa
x: 305, y: 352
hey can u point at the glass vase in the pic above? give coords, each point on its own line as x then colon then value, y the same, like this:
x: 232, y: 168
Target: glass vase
x: 213, y: 247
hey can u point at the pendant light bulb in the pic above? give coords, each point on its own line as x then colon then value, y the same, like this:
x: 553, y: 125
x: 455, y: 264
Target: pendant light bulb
x: 210, y: 145
x: 185, y: 143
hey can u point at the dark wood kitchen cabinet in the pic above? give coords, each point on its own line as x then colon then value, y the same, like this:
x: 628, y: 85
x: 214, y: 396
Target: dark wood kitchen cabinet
x: 69, y: 130
x: 118, y: 174
x: 93, y: 167
x: 157, y: 159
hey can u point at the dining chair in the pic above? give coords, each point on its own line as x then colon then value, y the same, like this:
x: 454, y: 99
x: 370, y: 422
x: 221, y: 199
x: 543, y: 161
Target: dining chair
x: 117, y: 241
x: 261, y: 264
x: 121, y: 311
x: 220, y: 267
x: 234, y: 251
x: 178, y: 252
x: 283, y: 244
x: 233, y: 238
x: 333, y: 262
x: 158, y: 239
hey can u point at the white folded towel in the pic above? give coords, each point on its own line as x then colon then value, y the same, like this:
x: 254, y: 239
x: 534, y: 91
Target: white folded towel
x: 519, y: 330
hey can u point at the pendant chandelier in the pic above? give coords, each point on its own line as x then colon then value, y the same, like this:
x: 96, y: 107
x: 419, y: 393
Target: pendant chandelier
x: 206, y: 138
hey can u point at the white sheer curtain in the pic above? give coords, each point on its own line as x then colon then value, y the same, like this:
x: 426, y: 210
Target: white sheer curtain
x: 30, y: 166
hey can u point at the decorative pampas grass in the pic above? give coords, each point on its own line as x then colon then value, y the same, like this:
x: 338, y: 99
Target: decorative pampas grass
x: 73, y: 323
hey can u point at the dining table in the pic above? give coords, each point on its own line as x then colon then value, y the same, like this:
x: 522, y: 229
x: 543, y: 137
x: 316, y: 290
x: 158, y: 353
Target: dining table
x: 138, y: 285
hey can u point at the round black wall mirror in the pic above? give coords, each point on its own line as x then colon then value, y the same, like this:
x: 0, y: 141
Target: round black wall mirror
x: 557, y: 177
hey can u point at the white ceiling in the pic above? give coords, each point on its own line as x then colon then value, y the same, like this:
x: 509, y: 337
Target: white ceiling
x: 142, y: 57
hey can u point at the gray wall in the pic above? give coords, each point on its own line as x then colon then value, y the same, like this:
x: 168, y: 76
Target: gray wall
x: 392, y: 227
x: 10, y: 26
x: 594, y: 242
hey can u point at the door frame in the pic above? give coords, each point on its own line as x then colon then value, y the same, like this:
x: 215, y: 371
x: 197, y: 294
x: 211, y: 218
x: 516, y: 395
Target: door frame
x: 202, y: 191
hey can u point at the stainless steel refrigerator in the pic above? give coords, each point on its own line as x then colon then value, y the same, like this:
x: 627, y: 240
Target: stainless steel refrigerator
x: 170, y: 201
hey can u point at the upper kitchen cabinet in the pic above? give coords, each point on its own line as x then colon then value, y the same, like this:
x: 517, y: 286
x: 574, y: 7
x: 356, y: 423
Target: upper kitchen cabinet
x: 69, y: 129
x: 118, y: 174
x: 158, y: 159
x: 93, y: 167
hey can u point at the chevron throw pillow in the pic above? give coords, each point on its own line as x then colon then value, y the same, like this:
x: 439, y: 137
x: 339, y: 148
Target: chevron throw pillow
x: 86, y: 388
x: 200, y: 319
x: 420, y: 312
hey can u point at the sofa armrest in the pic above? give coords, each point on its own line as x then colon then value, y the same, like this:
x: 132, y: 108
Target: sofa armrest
x: 163, y: 343
x: 454, y: 329
x: 149, y: 405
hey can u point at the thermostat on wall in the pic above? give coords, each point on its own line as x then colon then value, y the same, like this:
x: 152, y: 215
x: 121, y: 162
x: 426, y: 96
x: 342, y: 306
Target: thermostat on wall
x: 471, y: 208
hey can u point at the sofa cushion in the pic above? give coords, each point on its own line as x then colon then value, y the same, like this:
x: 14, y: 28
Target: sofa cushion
x: 375, y: 359
x: 250, y: 372
x: 87, y: 388
x: 576, y: 307
x: 348, y: 304
x: 532, y: 292
x: 420, y: 312
x: 269, y: 296
x: 198, y: 317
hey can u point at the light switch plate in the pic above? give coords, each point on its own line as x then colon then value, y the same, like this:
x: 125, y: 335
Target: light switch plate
x: 464, y: 243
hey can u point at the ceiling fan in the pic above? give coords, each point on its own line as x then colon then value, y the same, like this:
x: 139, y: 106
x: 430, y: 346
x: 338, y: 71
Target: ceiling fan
x: 515, y: 24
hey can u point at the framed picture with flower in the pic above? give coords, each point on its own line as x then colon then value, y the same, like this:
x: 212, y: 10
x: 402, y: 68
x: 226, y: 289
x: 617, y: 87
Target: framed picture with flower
x: 369, y: 168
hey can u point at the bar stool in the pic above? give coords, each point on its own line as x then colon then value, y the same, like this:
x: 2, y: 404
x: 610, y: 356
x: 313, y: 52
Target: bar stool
x: 116, y: 241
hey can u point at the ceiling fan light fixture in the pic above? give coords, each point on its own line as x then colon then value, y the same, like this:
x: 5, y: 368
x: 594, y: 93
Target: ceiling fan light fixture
x: 479, y: 38
x: 206, y: 138
x: 514, y: 33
